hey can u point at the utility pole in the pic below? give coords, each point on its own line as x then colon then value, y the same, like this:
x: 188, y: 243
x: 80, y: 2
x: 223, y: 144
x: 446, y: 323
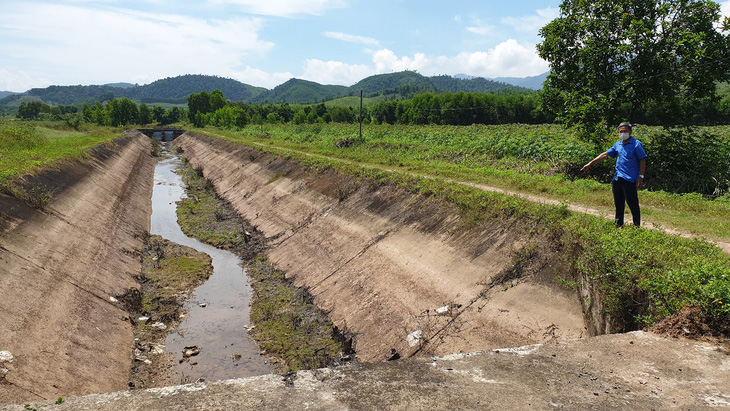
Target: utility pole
x: 360, y: 115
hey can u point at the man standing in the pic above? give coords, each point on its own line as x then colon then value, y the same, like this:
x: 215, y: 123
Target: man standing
x: 629, y: 176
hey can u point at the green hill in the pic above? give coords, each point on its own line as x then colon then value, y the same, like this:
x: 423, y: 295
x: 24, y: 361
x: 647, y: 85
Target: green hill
x: 172, y: 89
x: 175, y: 90
x: 300, y: 91
x: 181, y: 87
x: 382, y: 82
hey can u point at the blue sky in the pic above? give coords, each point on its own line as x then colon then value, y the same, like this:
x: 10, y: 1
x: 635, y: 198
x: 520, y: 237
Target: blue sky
x: 266, y: 42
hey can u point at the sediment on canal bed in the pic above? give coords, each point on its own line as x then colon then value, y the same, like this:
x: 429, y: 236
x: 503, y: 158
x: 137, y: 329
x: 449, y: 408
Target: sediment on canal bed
x: 398, y: 271
x: 62, y: 269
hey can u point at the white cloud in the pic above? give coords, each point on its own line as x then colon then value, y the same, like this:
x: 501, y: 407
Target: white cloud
x: 508, y: 59
x: 284, y: 8
x: 532, y: 23
x: 725, y: 9
x: 352, y: 39
x: 110, y: 45
x: 335, y: 72
x: 386, y: 61
x: 20, y: 81
x: 260, y: 78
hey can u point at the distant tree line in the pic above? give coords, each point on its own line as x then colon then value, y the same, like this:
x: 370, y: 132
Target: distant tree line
x: 115, y: 112
x: 34, y: 109
x: 448, y: 108
x: 461, y: 108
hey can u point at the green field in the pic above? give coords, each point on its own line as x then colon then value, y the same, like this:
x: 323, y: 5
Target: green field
x: 28, y: 147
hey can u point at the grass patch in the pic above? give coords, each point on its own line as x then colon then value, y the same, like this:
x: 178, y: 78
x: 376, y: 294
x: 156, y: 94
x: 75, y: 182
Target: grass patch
x: 288, y: 324
x: 170, y: 273
x: 203, y: 215
x: 28, y: 147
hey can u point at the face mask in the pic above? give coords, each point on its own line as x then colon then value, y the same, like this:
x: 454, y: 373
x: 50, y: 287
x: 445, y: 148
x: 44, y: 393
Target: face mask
x: 624, y: 136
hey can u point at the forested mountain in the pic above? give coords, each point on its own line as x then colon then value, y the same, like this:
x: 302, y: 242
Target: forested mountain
x: 402, y: 85
x: 381, y: 82
x: 173, y: 89
x: 66, y: 95
x: 473, y: 85
x: 181, y: 87
x: 299, y: 91
x: 4, y: 94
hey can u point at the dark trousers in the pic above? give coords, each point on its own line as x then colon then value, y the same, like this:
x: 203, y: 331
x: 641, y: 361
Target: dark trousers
x: 624, y: 192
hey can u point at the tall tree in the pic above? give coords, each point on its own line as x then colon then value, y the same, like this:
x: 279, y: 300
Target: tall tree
x: 217, y: 101
x: 610, y: 58
x: 198, y: 103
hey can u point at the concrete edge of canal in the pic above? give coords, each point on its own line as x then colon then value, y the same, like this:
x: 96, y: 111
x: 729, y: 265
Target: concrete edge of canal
x: 636, y: 370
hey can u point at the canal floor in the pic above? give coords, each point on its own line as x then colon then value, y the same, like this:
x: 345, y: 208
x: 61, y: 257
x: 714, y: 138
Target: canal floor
x: 219, y: 310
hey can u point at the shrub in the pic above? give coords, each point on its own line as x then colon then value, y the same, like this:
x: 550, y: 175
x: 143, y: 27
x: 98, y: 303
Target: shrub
x: 685, y: 160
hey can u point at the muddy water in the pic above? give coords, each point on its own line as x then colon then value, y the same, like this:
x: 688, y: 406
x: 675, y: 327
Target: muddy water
x: 219, y: 310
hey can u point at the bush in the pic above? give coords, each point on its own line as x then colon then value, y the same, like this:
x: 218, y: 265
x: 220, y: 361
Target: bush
x: 685, y: 160
x: 20, y: 137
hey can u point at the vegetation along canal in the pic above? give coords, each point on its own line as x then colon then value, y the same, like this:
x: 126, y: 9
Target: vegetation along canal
x: 218, y: 312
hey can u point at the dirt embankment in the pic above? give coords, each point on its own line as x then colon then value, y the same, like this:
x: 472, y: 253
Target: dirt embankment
x: 61, y: 269
x: 394, y: 269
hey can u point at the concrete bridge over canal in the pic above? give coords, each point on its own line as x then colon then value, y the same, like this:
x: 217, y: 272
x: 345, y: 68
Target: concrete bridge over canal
x: 162, y: 133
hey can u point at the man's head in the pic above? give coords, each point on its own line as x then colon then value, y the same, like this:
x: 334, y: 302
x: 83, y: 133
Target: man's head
x: 624, y: 130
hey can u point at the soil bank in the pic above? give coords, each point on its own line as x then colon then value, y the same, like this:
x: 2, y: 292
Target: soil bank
x: 394, y: 270
x: 62, y: 268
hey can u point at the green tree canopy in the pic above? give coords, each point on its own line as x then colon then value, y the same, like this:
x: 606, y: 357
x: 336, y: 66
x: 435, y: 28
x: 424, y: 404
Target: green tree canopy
x: 610, y: 58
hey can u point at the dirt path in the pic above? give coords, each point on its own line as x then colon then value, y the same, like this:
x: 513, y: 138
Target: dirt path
x: 578, y: 208
x: 60, y: 271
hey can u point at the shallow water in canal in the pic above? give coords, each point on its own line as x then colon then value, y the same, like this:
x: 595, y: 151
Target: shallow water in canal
x: 218, y: 311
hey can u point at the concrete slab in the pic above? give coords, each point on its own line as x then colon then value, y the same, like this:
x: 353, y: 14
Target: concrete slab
x: 636, y: 370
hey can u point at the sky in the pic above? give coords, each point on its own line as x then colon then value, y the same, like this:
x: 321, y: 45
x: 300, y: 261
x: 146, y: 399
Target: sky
x: 266, y: 42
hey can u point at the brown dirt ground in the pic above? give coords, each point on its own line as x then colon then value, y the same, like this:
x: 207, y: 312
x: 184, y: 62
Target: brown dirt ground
x: 691, y: 324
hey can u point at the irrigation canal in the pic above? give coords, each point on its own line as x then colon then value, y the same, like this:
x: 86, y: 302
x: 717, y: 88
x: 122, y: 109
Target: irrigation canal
x: 218, y: 311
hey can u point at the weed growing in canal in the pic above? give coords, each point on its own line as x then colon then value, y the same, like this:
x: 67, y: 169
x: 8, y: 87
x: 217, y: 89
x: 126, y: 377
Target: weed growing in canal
x: 288, y: 325
x: 203, y: 215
